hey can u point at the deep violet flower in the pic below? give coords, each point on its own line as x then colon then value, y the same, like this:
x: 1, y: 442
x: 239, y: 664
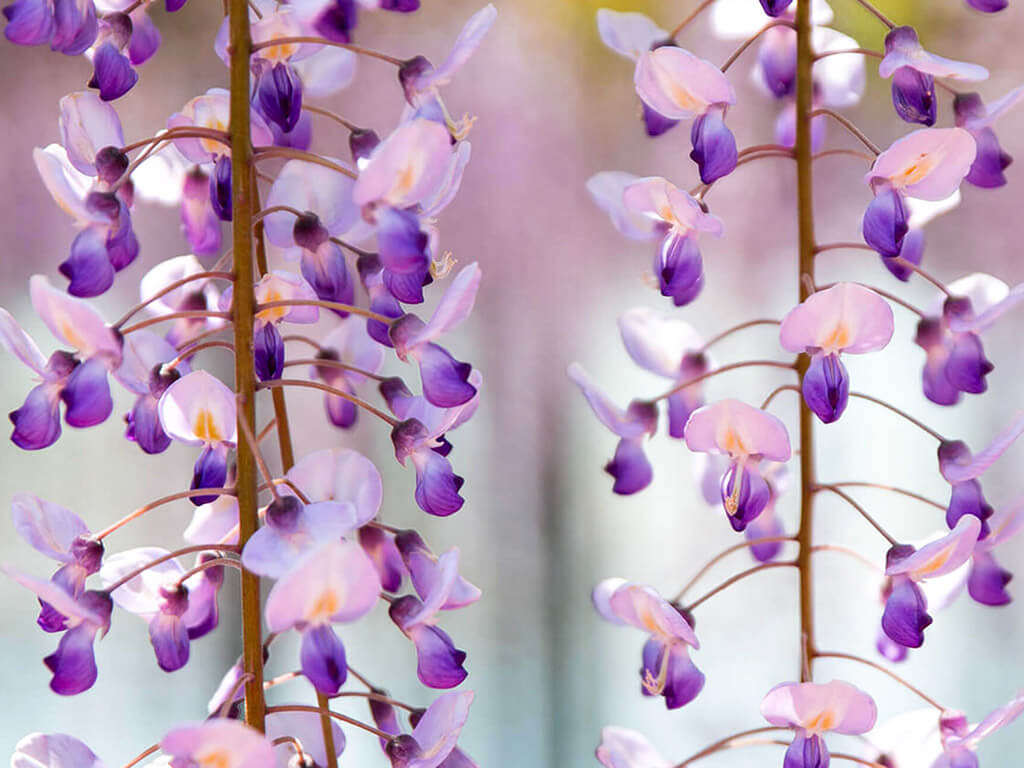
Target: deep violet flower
x: 434, y: 737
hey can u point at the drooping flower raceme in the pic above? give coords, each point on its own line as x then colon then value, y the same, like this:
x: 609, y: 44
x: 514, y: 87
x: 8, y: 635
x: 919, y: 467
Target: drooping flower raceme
x: 844, y: 318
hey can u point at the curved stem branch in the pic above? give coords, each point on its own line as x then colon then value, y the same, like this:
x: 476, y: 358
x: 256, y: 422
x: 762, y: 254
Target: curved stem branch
x: 919, y: 424
x: 861, y: 51
x: 189, y: 314
x: 160, y: 502
x: 751, y: 40
x: 722, y: 555
x: 724, y: 369
x: 863, y: 512
x: 849, y: 126
x: 336, y: 364
x: 170, y: 287
x: 849, y: 552
x: 330, y: 390
x: 892, y: 488
x: 263, y: 153
x: 739, y: 577
x: 723, y: 743
x: 327, y: 305
x: 777, y: 391
x: 336, y: 715
x: 742, y: 326
x: 169, y: 556
x: 880, y: 668
x: 324, y: 41
x: 686, y: 22
x: 877, y: 13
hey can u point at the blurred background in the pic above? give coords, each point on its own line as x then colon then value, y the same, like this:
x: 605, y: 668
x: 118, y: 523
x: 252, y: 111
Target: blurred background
x: 540, y: 525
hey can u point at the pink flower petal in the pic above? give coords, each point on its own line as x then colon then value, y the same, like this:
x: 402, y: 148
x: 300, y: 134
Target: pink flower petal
x: 997, y: 109
x: 844, y: 318
x: 678, y: 85
x: 87, y: 125
x: 663, y: 201
x: 643, y: 608
x: 928, y: 163
x: 73, y: 322
x: 53, y: 750
x: 326, y: 72
x: 738, y: 430
x: 657, y: 341
x: 455, y: 306
x: 442, y: 195
x: 47, y: 527
x: 336, y: 582
x: 14, y: 339
x: 975, y: 466
x: 198, y: 408
x: 407, y: 166
x: 628, y: 34
x: 623, y: 748
x: 66, y: 185
x: 141, y: 595
x: 615, y: 419
x: 470, y: 38
x: 220, y: 742
x: 942, y: 556
x: 438, y: 730
x: 214, y: 523
x: 314, y: 188
x: 606, y: 188
x: 904, y: 50
x: 55, y: 595
x: 996, y: 720
x: 285, y: 286
x: 815, y: 707
x: 142, y: 351
x: 306, y: 728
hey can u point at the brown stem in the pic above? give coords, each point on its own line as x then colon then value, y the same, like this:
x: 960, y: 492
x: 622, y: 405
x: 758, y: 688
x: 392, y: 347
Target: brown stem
x: 330, y: 390
x: 253, y: 444
x: 336, y: 715
x: 160, y: 502
x: 327, y: 305
x: 777, y: 391
x: 169, y: 556
x: 735, y: 328
x: 849, y: 552
x: 207, y: 564
x: 324, y: 41
x: 263, y: 153
x: 686, y: 22
x: 723, y: 554
x: 920, y: 425
x: 843, y: 151
x: 243, y: 313
x: 331, y: 115
x: 724, y: 742
x: 863, y: 512
x: 724, y: 369
x: 739, y: 577
x: 276, y: 209
x: 751, y: 40
x: 305, y: 339
x: 862, y: 51
x: 185, y: 132
x: 172, y: 286
x: 189, y: 351
x: 885, y: 294
x: 849, y: 126
x: 877, y: 13
x: 189, y: 314
x: 336, y: 364
x: 894, y: 489
x: 880, y: 668
x: 142, y: 756
x: 375, y: 697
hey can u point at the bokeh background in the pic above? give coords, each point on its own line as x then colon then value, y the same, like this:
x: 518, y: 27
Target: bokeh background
x: 540, y: 525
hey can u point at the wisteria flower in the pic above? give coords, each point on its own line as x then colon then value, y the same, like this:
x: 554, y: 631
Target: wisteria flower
x: 87, y: 617
x: 928, y: 164
x: 679, y: 218
x: 340, y: 475
x: 906, y: 609
x: 195, y: 295
x: 60, y: 535
x: 88, y: 125
x: 960, y: 740
x: 987, y: 580
x: 747, y: 435
x: 811, y: 709
x: 629, y: 467
x: 606, y: 189
x: 844, y: 318
x: 304, y: 727
x: 198, y: 409
x: 439, y: 586
x: 421, y: 438
x: 53, y: 750
x: 920, y: 212
x: 335, y: 583
x: 972, y: 114
x: 913, y: 71
x: 679, y: 86
x: 175, y: 609
x: 142, y: 372
x: 78, y: 379
x: 667, y: 668
x: 218, y: 742
x: 435, y: 734
x: 445, y: 380
x: 349, y: 345
x: 624, y: 748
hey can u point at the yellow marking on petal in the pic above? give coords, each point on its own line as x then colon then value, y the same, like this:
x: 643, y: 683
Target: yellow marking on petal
x: 916, y: 171
x: 210, y: 145
x: 217, y: 758
x: 732, y: 443
x: 655, y: 685
x: 326, y: 605
x: 935, y: 563
x: 406, y: 180
x: 276, y: 313
x: 823, y: 721
x: 205, y: 427
x: 70, y: 334
x: 839, y: 339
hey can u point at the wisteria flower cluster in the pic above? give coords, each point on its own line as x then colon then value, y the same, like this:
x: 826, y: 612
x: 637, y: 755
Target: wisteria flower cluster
x: 349, y: 240
x: 809, y: 71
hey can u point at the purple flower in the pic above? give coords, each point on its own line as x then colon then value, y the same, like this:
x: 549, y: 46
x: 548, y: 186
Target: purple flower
x: 960, y: 740
x: 629, y: 467
x: 212, y: 110
x: 623, y: 748
x: 928, y: 164
x: 677, y: 263
x: 987, y: 580
x: 810, y: 709
x: 435, y: 734
x: 913, y: 71
x: 844, y: 318
x: 306, y: 729
x: 141, y: 372
x: 971, y: 113
x: 679, y: 86
x: 905, y: 617
x: 198, y: 409
x: 53, y: 750
x: 195, y: 295
x: 439, y: 662
x: 69, y: 27
x: 350, y: 344
x: 667, y: 669
x: 747, y: 435
x: 61, y: 535
x: 73, y: 664
x: 420, y: 438
x: 445, y: 380
x: 334, y: 583
x: 87, y: 126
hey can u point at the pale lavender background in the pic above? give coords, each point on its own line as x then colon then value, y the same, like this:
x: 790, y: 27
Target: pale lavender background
x: 540, y: 525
